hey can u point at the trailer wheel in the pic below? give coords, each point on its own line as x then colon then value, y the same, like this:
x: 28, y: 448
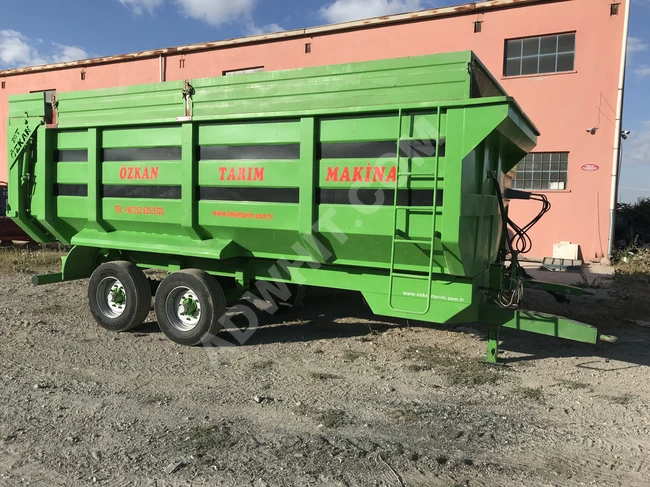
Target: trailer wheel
x: 295, y: 300
x: 189, y: 305
x: 119, y: 296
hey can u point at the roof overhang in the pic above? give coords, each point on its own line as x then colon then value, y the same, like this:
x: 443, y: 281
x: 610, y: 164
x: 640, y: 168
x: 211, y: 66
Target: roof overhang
x: 465, y: 9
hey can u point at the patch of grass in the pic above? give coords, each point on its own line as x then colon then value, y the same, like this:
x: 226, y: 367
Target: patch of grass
x: 324, y: 376
x: 621, y: 399
x: 405, y: 415
x: 460, y: 371
x: 531, y: 393
x: 210, y: 438
x: 574, y: 385
x: 329, y: 418
x: 262, y: 365
x: 155, y: 399
x: 352, y: 355
x: 23, y: 260
x: 473, y: 373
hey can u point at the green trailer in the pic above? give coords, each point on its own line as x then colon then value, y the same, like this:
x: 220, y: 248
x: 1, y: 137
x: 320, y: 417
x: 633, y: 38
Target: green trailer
x: 385, y: 177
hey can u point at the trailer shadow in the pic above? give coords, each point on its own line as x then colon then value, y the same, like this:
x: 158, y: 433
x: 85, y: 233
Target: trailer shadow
x: 333, y: 314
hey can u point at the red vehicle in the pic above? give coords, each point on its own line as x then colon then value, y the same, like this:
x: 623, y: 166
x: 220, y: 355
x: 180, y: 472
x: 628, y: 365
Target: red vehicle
x: 9, y: 231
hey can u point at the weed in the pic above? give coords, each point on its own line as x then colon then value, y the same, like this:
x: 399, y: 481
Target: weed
x: 262, y: 365
x: 352, y: 355
x: 329, y: 418
x: 460, y: 371
x: 531, y: 393
x: 405, y: 415
x: 210, y: 438
x: 621, y: 399
x: 324, y: 376
x: 23, y: 260
x: 574, y: 385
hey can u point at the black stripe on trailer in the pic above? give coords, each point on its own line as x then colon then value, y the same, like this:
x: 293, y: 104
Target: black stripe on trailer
x: 267, y: 152
x: 380, y: 149
x: 256, y: 195
x: 383, y: 197
x: 142, y: 154
x: 71, y: 190
x: 71, y: 155
x: 139, y: 192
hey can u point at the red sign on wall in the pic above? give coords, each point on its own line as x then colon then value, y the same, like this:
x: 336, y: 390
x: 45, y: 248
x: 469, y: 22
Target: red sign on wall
x: 590, y: 168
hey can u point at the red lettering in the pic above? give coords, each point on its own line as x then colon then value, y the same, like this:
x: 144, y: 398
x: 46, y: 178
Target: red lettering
x: 357, y: 174
x: 250, y: 174
x: 345, y: 175
x: 392, y: 175
x: 231, y: 175
x: 332, y: 174
x: 154, y: 172
x: 242, y: 174
x: 137, y: 173
x: 123, y: 172
x: 367, y: 180
x: 130, y: 176
x: 259, y: 174
x: 222, y: 171
x: 378, y: 174
x: 145, y: 173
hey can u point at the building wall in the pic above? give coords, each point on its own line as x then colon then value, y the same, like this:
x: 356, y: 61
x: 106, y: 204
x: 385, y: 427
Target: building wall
x: 562, y: 105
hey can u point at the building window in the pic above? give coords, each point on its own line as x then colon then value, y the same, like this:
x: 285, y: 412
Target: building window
x: 244, y: 71
x: 537, y: 55
x: 613, y: 9
x: 477, y: 26
x: 542, y: 171
x: 4, y: 85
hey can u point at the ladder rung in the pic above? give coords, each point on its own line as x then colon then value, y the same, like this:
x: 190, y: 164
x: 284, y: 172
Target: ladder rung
x: 415, y: 208
x: 420, y: 242
x: 411, y: 276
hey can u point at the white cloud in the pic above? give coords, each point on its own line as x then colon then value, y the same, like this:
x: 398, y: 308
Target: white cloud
x: 141, y: 6
x: 643, y: 71
x: 65, y: 53
x: 637, y: 149
x: 635, y: 44
x: 255, y: 30
x: 17, y: 50
x: 216, y: 12
x: 345, y: 10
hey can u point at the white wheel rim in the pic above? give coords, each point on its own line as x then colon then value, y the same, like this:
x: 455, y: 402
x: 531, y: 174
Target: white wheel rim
x: 183, y: 309
x: 111, y: 297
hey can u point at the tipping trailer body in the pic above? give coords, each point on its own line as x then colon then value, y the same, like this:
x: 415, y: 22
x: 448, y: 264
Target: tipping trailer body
x: 374, y: 176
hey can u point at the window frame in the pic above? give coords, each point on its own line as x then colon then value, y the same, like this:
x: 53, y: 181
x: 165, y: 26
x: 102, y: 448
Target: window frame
x: 539, y: 56
x: 541, y: 179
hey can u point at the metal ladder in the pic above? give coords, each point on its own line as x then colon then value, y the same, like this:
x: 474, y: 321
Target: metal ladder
x: 397, y: 240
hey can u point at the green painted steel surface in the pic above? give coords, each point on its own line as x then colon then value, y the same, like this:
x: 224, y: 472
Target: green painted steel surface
x: 369, y: 176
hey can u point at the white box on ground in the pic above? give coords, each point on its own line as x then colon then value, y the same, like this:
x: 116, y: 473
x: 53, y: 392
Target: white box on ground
x: 565, y: 250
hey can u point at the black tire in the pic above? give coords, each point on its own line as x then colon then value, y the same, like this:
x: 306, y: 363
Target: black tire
x: 192, y: 328
x: 121, y: 316
x: 294, y: 302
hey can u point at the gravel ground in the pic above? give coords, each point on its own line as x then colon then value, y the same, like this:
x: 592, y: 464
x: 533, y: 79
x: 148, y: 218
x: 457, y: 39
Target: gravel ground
x: 326, y: 396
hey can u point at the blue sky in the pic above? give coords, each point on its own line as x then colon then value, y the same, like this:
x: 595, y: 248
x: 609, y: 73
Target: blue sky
x: 42, y: 31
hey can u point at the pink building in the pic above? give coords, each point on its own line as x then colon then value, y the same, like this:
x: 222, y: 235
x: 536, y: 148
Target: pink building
x: 563, y: 60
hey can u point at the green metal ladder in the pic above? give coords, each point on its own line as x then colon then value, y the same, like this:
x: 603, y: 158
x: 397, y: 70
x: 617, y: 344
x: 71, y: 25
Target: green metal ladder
x: 396, y: 239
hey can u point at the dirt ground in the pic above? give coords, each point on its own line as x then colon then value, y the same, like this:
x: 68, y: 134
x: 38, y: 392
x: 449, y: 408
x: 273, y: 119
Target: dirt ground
x: 327, y: 396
